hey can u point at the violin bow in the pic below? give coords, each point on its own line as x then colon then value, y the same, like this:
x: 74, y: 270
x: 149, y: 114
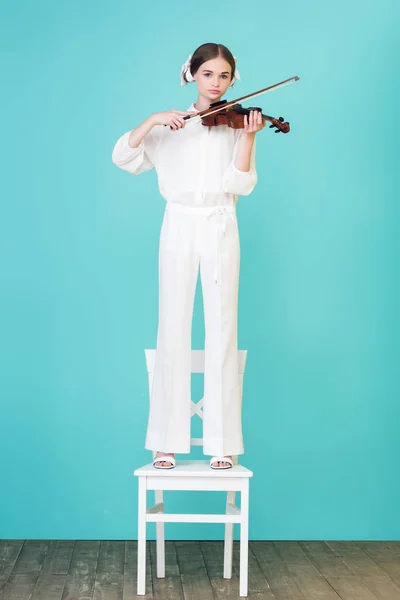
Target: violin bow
x: 226, y: 105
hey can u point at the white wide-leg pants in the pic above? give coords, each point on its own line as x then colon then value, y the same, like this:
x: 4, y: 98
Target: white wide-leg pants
x: 193, y: 237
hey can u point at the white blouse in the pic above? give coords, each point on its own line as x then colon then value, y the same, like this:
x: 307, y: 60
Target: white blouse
x: 194, y: 165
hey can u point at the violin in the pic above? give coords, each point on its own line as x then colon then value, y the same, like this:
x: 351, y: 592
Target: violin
x: 232, y: 113
x: 234, y: 117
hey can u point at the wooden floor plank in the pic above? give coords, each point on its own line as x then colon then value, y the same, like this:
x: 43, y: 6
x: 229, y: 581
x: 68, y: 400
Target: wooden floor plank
x: 383, y: 556
x: 395, y: 547
x: 336, y: 572
x: 49, y: 587
x: 326, y: 561
x: 213, y: 555
x: 193, y: 572
x: 190, y: 558
x: 9, y: 552
x: 308, y: 578
x: 170, y: 586
x: 356, y: 560
x: 258, y: 586
x: 130, y: 572
x: 19, y: 586
x: 367, y: 570
x: 25, y: 572
x: 109, y: 581
x: 276, y: 572
x: 58, y: 557
x: 52, y: 579
x: 31, y: 557
x: 81, y: 577
x: 383, y: 589
x: 111, y: 557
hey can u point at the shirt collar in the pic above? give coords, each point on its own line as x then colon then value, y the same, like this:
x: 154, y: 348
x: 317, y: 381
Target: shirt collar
x: 191, y: 107
x: 198, y: 121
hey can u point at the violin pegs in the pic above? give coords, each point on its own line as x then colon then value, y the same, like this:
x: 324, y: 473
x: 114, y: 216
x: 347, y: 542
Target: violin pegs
x: 272, y: 125
x: 281, y: 119
x: 278, y: 131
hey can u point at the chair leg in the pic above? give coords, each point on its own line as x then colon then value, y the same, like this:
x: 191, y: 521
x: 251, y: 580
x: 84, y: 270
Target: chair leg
x: 142, y: 522
x: 228, y: 545
x: 160, y: 537
x: 244, y: 539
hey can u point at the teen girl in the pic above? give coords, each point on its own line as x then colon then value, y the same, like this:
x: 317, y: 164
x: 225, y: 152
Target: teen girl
x: 201, y: 171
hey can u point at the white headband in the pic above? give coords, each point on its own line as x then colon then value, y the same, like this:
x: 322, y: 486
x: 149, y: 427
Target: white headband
x: 185, y: 70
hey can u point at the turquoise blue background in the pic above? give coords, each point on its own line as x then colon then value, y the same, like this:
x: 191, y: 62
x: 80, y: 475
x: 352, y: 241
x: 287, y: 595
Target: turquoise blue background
x: 319, y: 280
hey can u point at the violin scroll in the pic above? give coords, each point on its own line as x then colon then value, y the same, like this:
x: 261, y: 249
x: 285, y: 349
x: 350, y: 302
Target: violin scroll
x: 281, y: 125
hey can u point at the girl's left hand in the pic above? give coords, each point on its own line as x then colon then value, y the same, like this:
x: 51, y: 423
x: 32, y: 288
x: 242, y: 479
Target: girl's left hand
x: 254, y: 122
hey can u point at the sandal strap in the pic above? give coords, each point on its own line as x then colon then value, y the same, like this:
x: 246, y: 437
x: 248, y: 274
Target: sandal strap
x: 165, y: 457
x: 221, y: 459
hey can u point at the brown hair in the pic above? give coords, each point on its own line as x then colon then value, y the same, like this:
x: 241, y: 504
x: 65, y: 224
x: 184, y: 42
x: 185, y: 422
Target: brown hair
x: 207, y: 52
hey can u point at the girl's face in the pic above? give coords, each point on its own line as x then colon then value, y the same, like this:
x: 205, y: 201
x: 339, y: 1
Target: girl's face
x: 214, y: 74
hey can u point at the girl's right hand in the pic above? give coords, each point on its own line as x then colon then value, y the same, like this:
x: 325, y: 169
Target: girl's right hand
x: 173, y: 118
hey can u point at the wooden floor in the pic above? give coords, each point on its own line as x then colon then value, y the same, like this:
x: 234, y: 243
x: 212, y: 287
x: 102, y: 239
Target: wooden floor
x: 105, y: 570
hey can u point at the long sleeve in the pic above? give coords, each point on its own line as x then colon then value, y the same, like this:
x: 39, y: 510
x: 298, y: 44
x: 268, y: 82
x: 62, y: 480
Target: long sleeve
x: 239, y: 182
x: 140, y: 159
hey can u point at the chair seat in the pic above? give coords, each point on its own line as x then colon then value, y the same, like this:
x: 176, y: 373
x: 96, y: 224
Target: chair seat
x: 190, y: 468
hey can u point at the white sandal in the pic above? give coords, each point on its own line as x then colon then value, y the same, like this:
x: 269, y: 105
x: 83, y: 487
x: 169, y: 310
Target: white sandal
x: 170, y: 459
x: 221, y: 459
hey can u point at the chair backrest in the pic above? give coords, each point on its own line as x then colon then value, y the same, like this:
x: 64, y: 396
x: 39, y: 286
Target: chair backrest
x: 197, y: 366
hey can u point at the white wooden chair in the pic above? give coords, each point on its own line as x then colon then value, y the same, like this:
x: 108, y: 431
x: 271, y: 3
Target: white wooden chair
x: 193, y: 475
